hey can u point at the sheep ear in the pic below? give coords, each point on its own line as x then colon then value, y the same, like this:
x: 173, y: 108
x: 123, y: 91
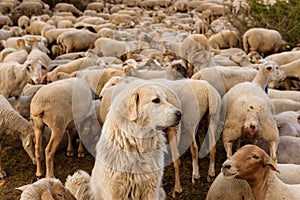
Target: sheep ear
x: 23, y: 188
x: 271, y: 163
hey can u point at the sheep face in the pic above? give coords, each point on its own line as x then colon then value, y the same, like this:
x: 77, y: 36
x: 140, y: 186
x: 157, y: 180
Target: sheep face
x: 247, y: 163
x: 28, y: 145
x: 274, y: 71
x: 34, y: 70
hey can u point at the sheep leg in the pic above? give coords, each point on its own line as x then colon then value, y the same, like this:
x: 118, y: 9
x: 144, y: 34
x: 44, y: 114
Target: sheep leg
x: 56, y: 137
x: 273, y: 148
x: 80, y: 150
x: 228, y: 148
x: 2, y: 172
x: 194, y: 152
x: 211, y: 168
x: 171, y: 134
x: 38, y: 133
x: 70, y: 149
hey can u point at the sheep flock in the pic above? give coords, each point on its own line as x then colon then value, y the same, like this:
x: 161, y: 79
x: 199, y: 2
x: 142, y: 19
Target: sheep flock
x: 61, y: 64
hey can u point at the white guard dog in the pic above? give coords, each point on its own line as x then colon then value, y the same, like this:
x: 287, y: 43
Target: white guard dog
x: 130, y: 153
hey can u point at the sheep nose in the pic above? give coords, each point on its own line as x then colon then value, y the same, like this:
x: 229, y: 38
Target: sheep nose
x: 178, y: 114
x: 226, y: 166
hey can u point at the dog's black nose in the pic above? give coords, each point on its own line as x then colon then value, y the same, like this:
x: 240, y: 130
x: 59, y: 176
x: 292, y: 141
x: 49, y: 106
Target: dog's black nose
x: 178, y: 115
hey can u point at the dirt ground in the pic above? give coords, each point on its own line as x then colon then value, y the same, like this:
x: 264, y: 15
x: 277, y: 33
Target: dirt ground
x: 21, y: 171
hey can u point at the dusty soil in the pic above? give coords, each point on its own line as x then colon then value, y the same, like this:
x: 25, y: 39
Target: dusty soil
x: 21, y: 171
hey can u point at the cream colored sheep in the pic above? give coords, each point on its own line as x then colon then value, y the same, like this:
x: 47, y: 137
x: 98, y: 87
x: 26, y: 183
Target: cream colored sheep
x: 23, y: 22
x: 171, y: 73
x: 255, y: 166
x: 237, y: 189
x: 52, y: 34
x: 67, y: 7
x: 292, y: 69
x: 12, y: 32
x: 14, y: 77
x: 97, y: 6
x: 45, y: 189
x: 5, y: 20
x: 282, y: 105
x: 288, y: 123
x: 263, y: 41
x: 282, y: 94
x: 224, y: 39
x: 224, y: 78
x: 59, y: 106
x: 35, y: 27
x: 284, y: 57
x: 70, y: 67
x: 77, y: 40
x: 12, y: 123
x: 65, y: 24
x: 97, y: 78
x: 20, y: 55
x: 249, y: 111
x: 288, y: 150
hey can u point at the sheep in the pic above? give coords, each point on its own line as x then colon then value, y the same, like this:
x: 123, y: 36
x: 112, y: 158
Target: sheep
x: 288, y: 123
x: 288, y: 150
x: 280, y: 94
x: 5, y: 20
x: 284, y: 57
x: 77, y: 40
x: 45, y: 189
x: 65, y: 24
x: 97, y: 78
x: 75, y: 65
x: 23, y: 22
x: 224, y: 78
x: 254, y: 118
x: 170, y: 73
x: 97, y: 6
x: 224, y: 39
x: 112, y: 47
x: 5, y: 34
x: 263, y: 41
x: 12, y: 123
x: 292, y: 69
x: 255, y: 166
x: 20, y: 55
x: 14, y: 77
x: 282, y: 105
x: 237, y: 189
x: 59, y: 106
x: 66, y: 7
x: 35, y: 27
x: 36, y: 53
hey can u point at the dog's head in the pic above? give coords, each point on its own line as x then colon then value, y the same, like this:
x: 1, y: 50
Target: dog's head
x: 147, y: 106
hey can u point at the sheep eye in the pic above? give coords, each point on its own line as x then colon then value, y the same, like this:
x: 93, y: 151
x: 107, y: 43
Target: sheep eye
x: 255, y: 157
x: 157, y: 100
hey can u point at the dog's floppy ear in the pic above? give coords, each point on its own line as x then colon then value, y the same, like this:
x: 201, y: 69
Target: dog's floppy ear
x: 130, y: 109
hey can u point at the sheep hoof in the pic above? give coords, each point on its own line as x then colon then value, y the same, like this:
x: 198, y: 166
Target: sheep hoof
x: 2, y: 174
x: 70, y: 153
x: 209, y: 178
x: 175, y: 191
x: 81, y: 155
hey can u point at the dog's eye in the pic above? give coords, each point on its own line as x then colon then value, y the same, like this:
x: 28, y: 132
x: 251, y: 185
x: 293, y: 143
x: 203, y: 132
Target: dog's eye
x: 157, y: 100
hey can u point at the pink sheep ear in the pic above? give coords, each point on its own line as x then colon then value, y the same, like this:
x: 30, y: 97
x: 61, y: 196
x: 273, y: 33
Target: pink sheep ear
x: 271, y: 163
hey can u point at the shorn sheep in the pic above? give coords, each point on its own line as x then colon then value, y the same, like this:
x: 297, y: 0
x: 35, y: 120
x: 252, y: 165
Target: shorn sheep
x: 263, y: 41
x: 255, y: 166
x: 12, y: 123
x: 237, y: 189
x: 59, y: 106
x: 46, y: 189
x: 249, y: 111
